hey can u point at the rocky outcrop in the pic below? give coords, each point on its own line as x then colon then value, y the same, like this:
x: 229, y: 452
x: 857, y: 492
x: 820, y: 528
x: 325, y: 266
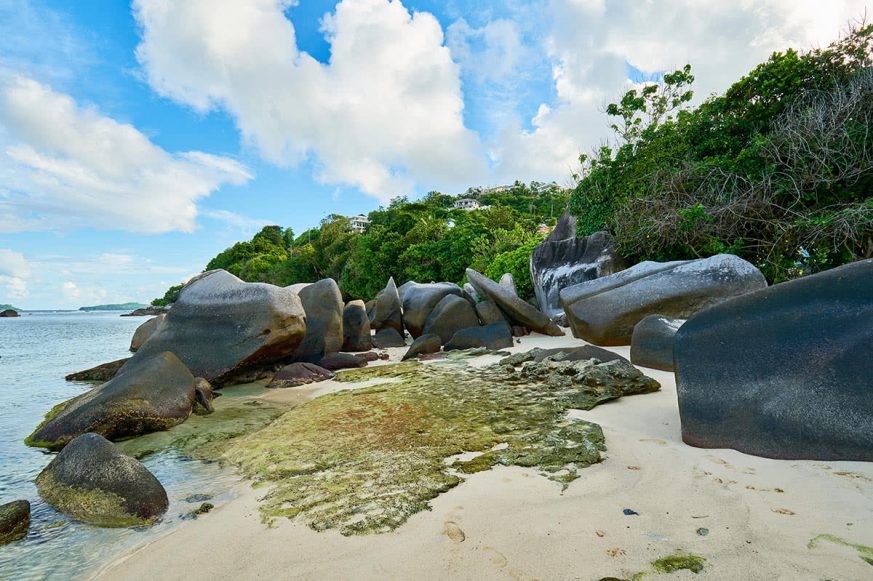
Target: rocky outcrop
x: 298, y: 374
x: 516, y: 310
x: 449, y: 316
x: 91, y: 480
x: 580, y: 353
x: 337, y: 361
x: 419, y: 301
x: 489, y: 313
x: 605, y: 311
x: 784, y: 372
x: 563, y: 260
x: 424, y: 345
x: 9, y: 313
x: 151, y: 311
x: 492, y: 337
x: 388, y: 338
x: 221, y: 326
x: 356, y: 328
x: 387, y: 312
x: 652, y: 342
x: 144, y: 331
x: 323, y: 304
x: 102, y: 373
x: 203, y: 396
x: 471, y: 292
x: 149, y: 394
x: 14, y: 521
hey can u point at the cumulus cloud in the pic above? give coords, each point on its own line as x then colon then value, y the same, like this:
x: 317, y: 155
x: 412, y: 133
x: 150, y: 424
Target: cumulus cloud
x: 14, y: 272
x: 591, y: 42
x: 384, y: 114
x: 64, y: 166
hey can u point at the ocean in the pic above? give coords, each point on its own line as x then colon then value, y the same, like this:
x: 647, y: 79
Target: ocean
x: 36, y: 351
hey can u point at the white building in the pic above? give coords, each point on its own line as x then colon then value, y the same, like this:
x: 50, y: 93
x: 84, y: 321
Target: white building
x: 358, y: 224
x: 467, y: 204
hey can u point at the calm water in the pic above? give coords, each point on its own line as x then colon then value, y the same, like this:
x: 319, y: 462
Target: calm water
x: 36, y: 352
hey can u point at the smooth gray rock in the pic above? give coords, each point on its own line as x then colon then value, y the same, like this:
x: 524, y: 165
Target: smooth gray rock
x: 387, y: 338
x: 297, y: 374
x: 424, y: 345
x: 323, y: 304
x: 14, y: 521
x: 387, y: 312
x: 356, y: 328
x: 515, y: 309
x: 149, y: 394
x: 563, y: 260
x: 610, y: 307
x: 401, y: 290
x: 221, y: 326
x: 102, y: 373
x: 785, y: 372
x: 419, y: 301
x: 586, y: 289
x: 91, y: 480
x: 652, y: 342
x: 144, y: 331
x: 492, y: 337
x: 471, y: 292
x: 337, y: 361
x: 449, y: 316
x: 489, y: 313
x: 507, y: 281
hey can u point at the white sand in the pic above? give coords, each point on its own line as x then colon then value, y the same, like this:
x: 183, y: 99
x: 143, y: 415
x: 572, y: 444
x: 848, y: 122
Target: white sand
x: 511, y: 523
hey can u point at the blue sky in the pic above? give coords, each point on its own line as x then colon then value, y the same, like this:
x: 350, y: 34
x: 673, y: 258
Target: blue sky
x: 139, y: 139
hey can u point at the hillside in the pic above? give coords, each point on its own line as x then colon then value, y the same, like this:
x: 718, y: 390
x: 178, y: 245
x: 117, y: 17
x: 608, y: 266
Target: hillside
x: 114, y: 307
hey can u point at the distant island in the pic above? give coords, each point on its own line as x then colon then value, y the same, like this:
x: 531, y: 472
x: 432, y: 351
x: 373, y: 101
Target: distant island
x: 115, y: 307
x: 5, y: 307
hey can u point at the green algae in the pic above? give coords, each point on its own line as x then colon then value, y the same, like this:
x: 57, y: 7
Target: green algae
x: 679, y: 562
x: 864, y: 552
x: 96, y: 507
x: 29, y: 441
x: 365, y: 460
x: 205, y: 437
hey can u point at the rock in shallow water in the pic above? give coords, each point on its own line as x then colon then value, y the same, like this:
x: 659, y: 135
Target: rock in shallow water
x: 14, y: 521
x: 103, y: 372
x: 222, y: 326
x: 149, y: 394
x: 91, y: 480
x: 604, y: 311
x: 785, y: 372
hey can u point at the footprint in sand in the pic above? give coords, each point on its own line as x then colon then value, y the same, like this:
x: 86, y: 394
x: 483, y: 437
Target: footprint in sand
x: 454, y: 532
x: 654, y: 441
x: 784, y: 511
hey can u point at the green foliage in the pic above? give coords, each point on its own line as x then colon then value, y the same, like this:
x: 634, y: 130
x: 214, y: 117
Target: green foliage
x: 517, y: 263
x: 169, y: 297
x: 778, y: 169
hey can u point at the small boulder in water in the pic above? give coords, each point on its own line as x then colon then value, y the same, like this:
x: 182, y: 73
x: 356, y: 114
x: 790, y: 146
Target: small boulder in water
x: 103, y: 372
x: 14, y: 521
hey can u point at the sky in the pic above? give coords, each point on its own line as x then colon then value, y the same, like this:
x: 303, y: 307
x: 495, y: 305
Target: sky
x: 139, y: 139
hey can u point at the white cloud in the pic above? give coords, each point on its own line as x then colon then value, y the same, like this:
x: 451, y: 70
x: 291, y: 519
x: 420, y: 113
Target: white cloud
x: 591, y: 41
x: 384, y: 114
x: 236, y: 220
x: 14, y: 272
x: 75, y: 294
x: 63, y: 166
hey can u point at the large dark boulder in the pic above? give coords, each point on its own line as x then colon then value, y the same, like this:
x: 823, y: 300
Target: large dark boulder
x: 449, y: 316
x: 387, y: 312
x: 14, y: 521
x: 489, y: 313
x: 144, y: 331
x: 652, y: 342
x: 516, y: 310
x: 102, y: 373
x: 356, y: 328
x: 401, y: 291
x: 563, y: 260
x: 424, y: 345
x: 149, y: 394
x: 492, y: 337
x: 91, y: 480
x: 221, y: 326
x: 419, y: 301
x: 387, y: 338
x: 298, y: 374
x: 607, y: 309
x: 337, y: 361
x: 785, y: 372
x: 323, y: 304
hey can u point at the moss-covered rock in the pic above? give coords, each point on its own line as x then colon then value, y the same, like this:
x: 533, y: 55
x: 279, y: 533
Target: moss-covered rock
x: 91, y: 480
x: 365, y: 460
x: 14, y: 521
x: 102, y: 373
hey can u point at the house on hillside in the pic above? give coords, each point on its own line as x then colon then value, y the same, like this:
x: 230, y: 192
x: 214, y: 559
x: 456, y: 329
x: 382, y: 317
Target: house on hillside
x: 466, y: 204
x: 358, y: 224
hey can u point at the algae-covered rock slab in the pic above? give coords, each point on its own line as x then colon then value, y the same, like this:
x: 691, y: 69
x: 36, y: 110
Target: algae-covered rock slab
x: 14, y: 521
x: 91, y: 480
x: 365, y: 460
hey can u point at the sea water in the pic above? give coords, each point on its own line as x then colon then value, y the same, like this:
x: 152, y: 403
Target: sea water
x: 36, y: 351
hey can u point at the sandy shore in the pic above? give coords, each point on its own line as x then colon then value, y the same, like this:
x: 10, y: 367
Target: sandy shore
x: 758, y: 516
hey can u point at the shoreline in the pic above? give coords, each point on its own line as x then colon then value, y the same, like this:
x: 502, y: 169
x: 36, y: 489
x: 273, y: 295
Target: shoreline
x: 511, y: 523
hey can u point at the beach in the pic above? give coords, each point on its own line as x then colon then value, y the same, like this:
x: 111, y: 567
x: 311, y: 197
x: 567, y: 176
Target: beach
x: 746, y: 517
